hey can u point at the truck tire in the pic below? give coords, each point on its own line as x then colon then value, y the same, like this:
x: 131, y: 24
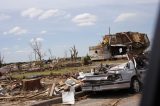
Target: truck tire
x: 135, y: 85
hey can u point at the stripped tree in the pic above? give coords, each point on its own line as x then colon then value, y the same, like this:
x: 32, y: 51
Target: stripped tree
x: 37, y: 49
x: 51, y: 54
x: 74, y: 53
x: 1, y: 60
x: 30, y: 60
x: 65, y: 54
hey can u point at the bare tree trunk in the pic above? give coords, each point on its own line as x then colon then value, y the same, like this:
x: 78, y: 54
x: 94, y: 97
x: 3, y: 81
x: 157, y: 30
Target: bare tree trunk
x: 74, y: 53
x: 1, y: 60
x: 37, y: 49
x: 65, y: 54
x: 51, y: 55
x: 30, y: 60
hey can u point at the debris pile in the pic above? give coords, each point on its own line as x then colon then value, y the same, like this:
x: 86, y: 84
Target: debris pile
x: 65, y: 86
x: 36, y: 88
x: 119, y: 44
x: 21, y: 89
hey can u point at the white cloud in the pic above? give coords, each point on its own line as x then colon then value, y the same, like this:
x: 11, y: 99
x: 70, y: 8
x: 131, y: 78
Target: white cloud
x: 5, y: 49
x: 32, y: 12
x: 16, y: 31
x: 85, y: 19
x: 4, y: 17
x: 39, y: 39
x: 41, y: 14
x: 43, y: 32
x: 26, y: 52
x: 49, y: 13
x: 4, y: 33
x: 125, y: 16
x: 20, y: 51
x: 36, y: 39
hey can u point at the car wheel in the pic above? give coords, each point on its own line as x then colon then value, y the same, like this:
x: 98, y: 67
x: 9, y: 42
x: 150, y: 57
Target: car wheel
x: 135, y: 85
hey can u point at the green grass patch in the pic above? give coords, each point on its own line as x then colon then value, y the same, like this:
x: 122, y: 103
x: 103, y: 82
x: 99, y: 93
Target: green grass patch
x: 20, y: 75
x: 49, y: 72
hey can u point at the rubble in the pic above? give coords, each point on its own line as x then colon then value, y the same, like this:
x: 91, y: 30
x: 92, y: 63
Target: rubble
x: 13, y: 90
x: 2, y: 90
x: 64, y: 86
x: 119, y: 44
x: 52, y: 89
x: 36, y: 87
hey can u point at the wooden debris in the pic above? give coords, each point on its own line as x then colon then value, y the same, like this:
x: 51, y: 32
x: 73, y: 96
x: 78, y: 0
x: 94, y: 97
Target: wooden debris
x: 29, y: 97
x: 11, y: 97
x: 52, y: 89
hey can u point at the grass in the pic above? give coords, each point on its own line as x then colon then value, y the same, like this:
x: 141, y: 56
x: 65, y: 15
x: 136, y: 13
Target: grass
x: 20, y: 75
x: 49, y: 72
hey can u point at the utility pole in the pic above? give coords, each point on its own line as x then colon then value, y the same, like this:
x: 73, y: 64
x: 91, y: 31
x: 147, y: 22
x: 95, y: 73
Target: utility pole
x: 109, y: 34
x: 109, y: 31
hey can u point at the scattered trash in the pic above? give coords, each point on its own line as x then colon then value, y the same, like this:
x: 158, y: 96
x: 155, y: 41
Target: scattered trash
x: 64, y: 86
x: 2, y: 90
x: 71, y: 81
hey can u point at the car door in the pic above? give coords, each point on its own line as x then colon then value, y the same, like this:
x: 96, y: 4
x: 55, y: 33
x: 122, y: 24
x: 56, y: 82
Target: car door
x: 128, y: 71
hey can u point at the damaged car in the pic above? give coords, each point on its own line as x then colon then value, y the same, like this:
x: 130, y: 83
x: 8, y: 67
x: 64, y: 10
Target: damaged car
x: 126, y: 75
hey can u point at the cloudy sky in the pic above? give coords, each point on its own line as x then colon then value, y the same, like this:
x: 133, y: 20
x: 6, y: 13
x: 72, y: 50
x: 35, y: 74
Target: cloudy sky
x: 60, y: 24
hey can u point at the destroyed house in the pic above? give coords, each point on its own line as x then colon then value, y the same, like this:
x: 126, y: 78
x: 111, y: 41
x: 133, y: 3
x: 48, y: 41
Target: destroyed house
x: 119, y: 44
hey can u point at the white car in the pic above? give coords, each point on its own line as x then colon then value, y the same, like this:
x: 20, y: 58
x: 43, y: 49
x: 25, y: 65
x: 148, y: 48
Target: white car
x: 119, y: 77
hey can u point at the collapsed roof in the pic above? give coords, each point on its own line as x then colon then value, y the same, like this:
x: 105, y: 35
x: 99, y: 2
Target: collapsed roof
x: 127, y: 38
x: 134, y: 40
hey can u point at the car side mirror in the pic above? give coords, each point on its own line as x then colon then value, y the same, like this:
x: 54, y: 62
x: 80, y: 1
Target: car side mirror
x: 127, y: 66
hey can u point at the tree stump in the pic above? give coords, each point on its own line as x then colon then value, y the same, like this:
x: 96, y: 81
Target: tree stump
x: 31, y: 84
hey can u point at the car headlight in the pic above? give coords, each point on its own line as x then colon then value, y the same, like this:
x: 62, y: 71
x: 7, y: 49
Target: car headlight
x: 114, y: 77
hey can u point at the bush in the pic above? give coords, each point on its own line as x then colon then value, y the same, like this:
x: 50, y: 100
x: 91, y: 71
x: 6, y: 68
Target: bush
x: 86, y: 60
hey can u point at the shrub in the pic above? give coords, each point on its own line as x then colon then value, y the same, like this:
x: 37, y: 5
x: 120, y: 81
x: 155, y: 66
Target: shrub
x: 86, y: 60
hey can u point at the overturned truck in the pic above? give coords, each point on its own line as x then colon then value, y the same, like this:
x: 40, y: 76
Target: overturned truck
x: 119, y: 44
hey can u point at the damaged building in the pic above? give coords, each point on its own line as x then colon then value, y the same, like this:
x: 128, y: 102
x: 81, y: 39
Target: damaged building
x: 119, y: 44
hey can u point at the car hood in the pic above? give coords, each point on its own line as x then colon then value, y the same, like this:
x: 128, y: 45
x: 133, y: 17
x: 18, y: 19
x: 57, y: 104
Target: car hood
x: 121, y: 67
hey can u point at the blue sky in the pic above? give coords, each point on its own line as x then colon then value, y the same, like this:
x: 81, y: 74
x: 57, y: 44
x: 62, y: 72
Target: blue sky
x: 60, y: 24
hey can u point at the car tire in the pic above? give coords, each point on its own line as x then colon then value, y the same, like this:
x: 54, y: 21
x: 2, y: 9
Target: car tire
x: 135, y: 86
